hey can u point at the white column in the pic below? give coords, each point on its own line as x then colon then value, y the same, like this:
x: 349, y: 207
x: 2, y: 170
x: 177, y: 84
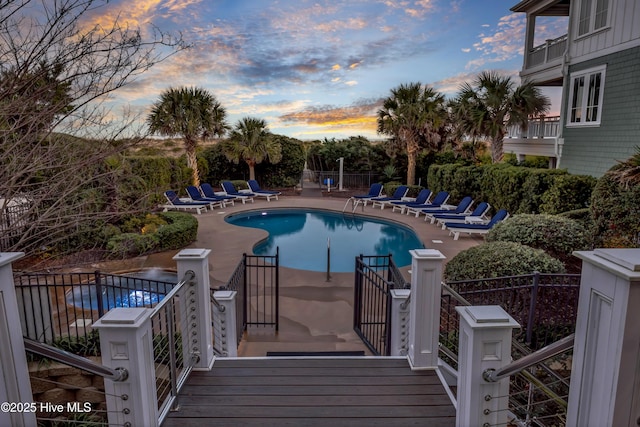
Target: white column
x: 126, y: 342
x: 424, y: 320
x: 399, y: 321
x: 224, y: 323
x: 201, y: 340
x: 605, y: 379
x: 14, y: 373
x: 485, y: 343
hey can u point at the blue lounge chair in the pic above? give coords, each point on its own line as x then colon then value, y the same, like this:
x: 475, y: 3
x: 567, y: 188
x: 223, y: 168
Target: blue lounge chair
x: 196, y: 196
x: 478, y: 214
x: 374, y: 191
x: 267, y: 194
x: 230, y: 190
x: 208, y: 191
x: 174, y: 202
x: 438, y: 202
x: 421, y: 199
x: 397, y: 195
x: 463, y: 208
x: 456, y: 228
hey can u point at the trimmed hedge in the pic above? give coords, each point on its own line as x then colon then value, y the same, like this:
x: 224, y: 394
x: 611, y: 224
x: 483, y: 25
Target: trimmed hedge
x: 498, y: 259
x: 514, y: 188
x: 556, y: 235
x: 181, y: 229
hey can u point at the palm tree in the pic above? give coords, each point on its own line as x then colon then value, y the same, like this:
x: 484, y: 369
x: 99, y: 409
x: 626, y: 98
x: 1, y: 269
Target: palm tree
x: 491, y: 103
x: 190, y: 112
x: 251, y: 142
x: 412, y: 116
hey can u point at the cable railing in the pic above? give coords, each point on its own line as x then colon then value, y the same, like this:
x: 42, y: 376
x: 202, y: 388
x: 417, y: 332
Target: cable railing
x: 174, y: 353
x: 69, y: 394
x: 538, y: 393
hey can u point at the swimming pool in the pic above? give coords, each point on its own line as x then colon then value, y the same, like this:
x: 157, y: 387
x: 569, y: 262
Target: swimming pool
x: 140, y: 288
x: 303, y: 234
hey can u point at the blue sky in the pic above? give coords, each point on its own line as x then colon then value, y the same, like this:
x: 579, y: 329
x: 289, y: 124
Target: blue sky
x: 316, y: 69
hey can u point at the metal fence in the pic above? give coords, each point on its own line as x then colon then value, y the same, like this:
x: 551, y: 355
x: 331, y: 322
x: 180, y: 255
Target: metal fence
x: 546, y: 305
x: 65, y: 305
x: 172, y: 322
x: 256, y: 280
x: 14, y: 219
x: 375, y: 277
x: 349, y: 180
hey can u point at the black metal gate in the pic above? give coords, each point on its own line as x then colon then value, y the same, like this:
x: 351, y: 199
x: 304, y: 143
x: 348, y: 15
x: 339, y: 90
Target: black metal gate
x: 375, y: 276
x: 256, y: 280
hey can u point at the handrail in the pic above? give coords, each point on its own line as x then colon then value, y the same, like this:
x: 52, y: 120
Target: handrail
x: 492, y: 375
x: 117, y: 374
x: 221, y: 308
x: 173, y: 291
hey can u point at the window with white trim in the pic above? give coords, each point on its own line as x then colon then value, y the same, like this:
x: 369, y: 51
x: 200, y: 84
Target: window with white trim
x: 593, y: 16
x: 585, y: 97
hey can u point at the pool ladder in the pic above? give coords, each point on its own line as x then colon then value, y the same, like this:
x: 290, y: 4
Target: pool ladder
x: 355, y: 202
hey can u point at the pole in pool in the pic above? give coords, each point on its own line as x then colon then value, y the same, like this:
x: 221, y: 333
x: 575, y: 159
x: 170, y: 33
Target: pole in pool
x: 328, y: 259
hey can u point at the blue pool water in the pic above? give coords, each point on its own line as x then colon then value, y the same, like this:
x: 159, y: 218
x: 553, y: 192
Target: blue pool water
x: 142, y: 288
x: 302, y: 238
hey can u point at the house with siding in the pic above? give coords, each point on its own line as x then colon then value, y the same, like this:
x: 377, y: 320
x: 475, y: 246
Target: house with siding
x: 597, y: 65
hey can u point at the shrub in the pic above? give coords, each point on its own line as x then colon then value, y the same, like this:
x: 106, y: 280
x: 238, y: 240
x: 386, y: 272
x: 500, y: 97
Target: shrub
x: 181, y: 230
x: 287, y: 172
x: 567, y: 193
x: 126, y: 245
x: 497, y: 259
x: 615, y: 211
x: 556, y: 235
x: 390, y: 187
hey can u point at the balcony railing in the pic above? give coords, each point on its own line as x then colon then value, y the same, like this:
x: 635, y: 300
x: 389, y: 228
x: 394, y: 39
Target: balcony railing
x: 539, y: 127
x: 549, y: 51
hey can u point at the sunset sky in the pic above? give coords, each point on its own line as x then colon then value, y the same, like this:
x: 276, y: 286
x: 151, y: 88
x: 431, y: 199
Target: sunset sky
x: 319, y: 69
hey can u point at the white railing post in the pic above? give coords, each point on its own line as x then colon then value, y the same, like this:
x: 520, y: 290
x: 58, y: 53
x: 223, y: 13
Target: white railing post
x: 14, y: 373
x: 605, y: 384
x: 224, y: 323
x: 399, y: 321
x: 485, y: 343
x: 126, y: 342
x: 424, y: 311
x: 201, y: 340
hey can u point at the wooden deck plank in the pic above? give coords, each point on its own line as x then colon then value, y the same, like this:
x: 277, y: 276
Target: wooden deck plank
x: 199, y: 380
x: 251, y: 411
x: 316, y: 390
x: 313, y: 392
x: 306, y: 422
x: 362, y: 400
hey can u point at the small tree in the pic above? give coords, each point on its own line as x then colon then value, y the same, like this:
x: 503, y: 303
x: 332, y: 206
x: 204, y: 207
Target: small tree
x: 192, y: 113
x: 59, y: 169
x: 252, y: 143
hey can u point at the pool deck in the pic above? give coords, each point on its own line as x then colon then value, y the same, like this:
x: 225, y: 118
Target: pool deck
x: 315, y: 315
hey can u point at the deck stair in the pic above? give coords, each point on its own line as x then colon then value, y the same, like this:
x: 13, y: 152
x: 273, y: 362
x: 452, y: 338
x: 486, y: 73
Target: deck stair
x: 313, y: 391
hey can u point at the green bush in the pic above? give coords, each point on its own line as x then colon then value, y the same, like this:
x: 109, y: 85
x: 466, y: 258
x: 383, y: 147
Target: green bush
x: 514, y: 188
x: 287, y: 172
x: 567, y: 193
x: 127, y: 245
x: 497, y: 259
x: 615, y: 211
x: 181, y: 230
x: 556, y: 235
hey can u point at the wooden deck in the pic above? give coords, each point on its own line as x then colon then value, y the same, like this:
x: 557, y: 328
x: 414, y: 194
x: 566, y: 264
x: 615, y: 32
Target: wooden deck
x: 313, y: 392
